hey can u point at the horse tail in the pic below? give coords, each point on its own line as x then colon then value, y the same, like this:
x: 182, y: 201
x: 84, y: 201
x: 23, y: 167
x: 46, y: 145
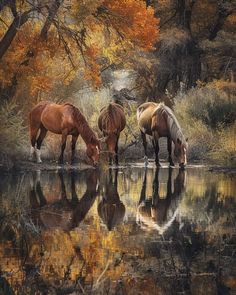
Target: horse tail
x: 109, y: 118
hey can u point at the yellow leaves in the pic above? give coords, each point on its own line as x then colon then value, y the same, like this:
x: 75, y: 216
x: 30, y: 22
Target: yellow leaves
x: 132, y: 20
x: 40, y: 83
x: 92, y: 71
x: 77, y: 42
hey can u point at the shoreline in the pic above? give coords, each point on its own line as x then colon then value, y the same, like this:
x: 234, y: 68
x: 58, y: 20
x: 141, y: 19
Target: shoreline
x: 27, y: 166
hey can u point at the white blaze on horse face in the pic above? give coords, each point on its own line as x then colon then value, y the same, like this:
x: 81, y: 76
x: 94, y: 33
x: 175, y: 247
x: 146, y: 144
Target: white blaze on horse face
x: 97, y: 149
x: 38, y: 156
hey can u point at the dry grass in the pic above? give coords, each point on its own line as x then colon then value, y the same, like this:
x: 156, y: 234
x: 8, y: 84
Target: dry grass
x: 208, y: 116
x: 224, y: 149
x: 14, y: 135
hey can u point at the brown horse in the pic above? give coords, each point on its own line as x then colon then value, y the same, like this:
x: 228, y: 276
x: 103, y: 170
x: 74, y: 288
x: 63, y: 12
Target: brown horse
x: 111, y: 122
x: 56, y: 209
x: 63, y: 119
x: 157, y: 120
x: 111, y: 210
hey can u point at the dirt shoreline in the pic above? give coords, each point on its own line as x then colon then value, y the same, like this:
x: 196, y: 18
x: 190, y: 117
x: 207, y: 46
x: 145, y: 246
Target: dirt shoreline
x: 28, y: 166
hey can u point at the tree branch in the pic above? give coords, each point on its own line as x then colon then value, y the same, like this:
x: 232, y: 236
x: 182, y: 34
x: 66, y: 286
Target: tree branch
x: 18, y: 21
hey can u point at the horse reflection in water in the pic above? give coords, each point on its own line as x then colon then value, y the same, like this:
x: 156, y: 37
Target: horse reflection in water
x: 62, y: 212
x: 111, y: 210
x: 157, y: 213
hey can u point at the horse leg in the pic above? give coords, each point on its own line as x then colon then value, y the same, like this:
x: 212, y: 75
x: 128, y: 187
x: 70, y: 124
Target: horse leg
x: 116, y: 151
x: 155, y: 189
x: 73, y: 145
x: 63, y: 145
x: 169, y: 144
x: 110, y: 159
x: 63, y: 187
x: 144, y: 140
x: 155, y: 143
x: 42, y: 199
x: 74, y: 197
x: 34, y: 126
x: 34, y: 204
x: 33, y: 137
x: 43, y: 132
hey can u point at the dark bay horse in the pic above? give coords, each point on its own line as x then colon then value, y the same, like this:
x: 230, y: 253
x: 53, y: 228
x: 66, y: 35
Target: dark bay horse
x: 63, y: 119
x: 158, y: 120
x: 111, y: 122
x: 111, y: 210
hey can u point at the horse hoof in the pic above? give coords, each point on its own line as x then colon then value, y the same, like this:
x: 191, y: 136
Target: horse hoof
x: 172, y: 165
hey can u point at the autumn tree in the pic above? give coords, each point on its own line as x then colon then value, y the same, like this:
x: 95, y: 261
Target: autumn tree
x: 196, y: 43
x: 46, y: 44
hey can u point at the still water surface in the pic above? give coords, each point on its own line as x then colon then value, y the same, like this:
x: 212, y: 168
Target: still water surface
x: 118, y: 231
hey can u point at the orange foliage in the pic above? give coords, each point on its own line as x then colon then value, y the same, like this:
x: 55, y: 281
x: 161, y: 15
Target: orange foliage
x: 41, y: 65
x: 134, y: 21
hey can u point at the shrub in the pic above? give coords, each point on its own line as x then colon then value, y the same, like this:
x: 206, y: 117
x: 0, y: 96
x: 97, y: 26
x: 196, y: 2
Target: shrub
x: 211, y: 105
x: 224, y: 147
x: 208, y: 115
x: 13, y: 134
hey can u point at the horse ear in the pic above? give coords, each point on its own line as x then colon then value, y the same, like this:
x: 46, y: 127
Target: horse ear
x: 179, y: 141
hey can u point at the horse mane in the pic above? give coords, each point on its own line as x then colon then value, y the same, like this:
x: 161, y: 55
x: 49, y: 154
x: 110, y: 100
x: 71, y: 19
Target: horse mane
x: 110, y: 119
x: 84, y: 129
x: 149, y: 224
x: 173, y: 125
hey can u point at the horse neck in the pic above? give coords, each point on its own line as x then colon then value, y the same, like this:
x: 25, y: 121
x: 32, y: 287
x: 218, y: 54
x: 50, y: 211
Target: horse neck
x: 174, y: 128
x: 83, y: 128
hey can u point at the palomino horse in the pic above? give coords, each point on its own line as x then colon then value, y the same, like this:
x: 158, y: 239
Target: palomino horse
x: 111, y: 209
x: 111, y: 122
x: 63, y: 119
x: 157, y: 212
x: 157, y: 120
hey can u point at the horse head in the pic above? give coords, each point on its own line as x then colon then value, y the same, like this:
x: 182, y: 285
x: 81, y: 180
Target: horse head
x: 93, y: 150
x: 180, y: 152
x: 111, y: 141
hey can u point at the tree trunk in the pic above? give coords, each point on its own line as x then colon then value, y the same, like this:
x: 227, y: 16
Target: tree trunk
x: 18, y: 21
x: 222, y: 15
x: 44, y: 31
x: 51, y: 14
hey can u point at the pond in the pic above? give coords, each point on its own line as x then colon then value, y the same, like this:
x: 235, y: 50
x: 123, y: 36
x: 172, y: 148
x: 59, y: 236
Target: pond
x: 118, y: 231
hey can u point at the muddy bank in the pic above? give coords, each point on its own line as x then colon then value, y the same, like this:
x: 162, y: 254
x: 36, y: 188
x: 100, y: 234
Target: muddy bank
x: 47, y: 165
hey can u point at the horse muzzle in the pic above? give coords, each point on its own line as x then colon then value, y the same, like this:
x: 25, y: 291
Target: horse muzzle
x: 182, y: 165
x: 95, y: 164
